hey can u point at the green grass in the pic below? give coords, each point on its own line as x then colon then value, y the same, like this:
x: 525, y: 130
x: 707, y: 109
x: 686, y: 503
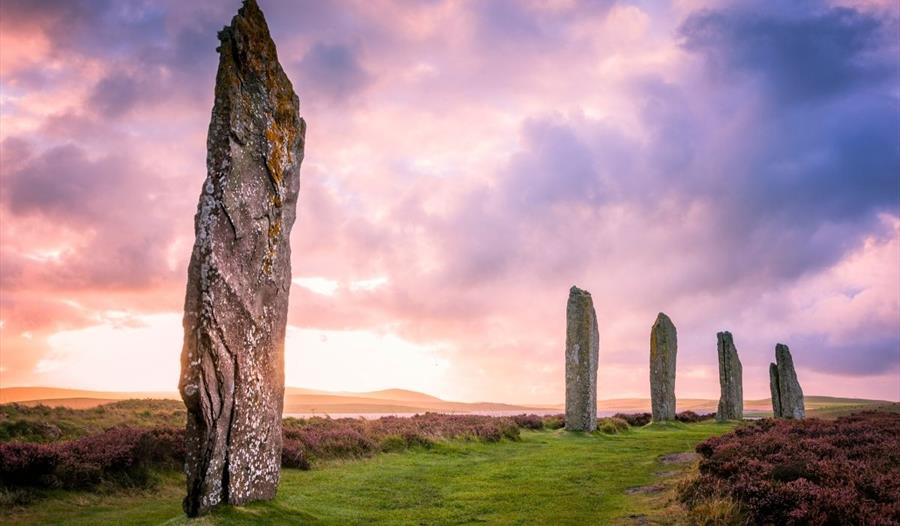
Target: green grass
x: 549, y: 477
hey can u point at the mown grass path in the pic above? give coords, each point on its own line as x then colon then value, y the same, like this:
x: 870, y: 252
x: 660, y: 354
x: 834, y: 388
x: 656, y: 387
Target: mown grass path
x: 549, y: 477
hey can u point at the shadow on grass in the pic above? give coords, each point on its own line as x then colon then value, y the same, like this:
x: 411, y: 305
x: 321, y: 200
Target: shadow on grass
x: 271, y: 512
x: 665, y: 426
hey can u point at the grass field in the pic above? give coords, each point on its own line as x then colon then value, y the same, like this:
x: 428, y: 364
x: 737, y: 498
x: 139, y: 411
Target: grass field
x: 549, y: 477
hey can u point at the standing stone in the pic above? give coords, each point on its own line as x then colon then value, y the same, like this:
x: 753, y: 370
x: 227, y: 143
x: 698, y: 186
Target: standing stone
x: 232, y: 361
x: 663, y: 351
x: 773, y: 387
x: 787, y: 396
x: 582, y: 349
x: 731, y: 397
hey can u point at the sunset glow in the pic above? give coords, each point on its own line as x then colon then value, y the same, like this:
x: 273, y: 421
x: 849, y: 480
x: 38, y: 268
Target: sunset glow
x: 735, y: 165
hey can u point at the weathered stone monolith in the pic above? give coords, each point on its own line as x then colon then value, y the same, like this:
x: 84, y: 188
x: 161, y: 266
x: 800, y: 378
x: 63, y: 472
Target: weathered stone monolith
x: 582, y: 350
x: 663, y: 351
x: 731, y: 396
x: 232, y: 362
x: 773, y: 388
x: 787, y: 396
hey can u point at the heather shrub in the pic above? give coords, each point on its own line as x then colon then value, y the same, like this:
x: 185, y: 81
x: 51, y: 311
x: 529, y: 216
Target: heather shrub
x: 691, y: 417
x: 114, y: 456
x: 164, y: 446
x: 529, y: 421
x: 27, y: 464
x: 612, y: 425
x: 635, y: 419
x: 340, y: 440
x: 555, y: 421
x: 120, y: 456
x: 292, y: 455
x: 815, y: 472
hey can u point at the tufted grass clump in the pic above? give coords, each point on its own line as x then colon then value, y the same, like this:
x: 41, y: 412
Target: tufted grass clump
x: 716, y: 511
x: 612, y: 425
x: 554, y: 421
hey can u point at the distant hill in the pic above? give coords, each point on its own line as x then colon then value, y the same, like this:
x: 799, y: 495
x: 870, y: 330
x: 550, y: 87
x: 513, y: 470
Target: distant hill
x: 47, y: 394
x: 302, y: 400
x: 296, y: 400
x: 399, y: 394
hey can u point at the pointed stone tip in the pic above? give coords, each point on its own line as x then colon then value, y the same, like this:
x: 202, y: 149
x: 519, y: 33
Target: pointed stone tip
x: 576, y: 291
x: 248, y: 6
x: 249, y: 21
x: 247, y: 53
x: 663, y: 318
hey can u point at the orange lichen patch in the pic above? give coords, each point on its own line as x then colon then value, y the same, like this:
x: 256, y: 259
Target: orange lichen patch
x: 273, y: 237
x: 274, y: 229
x: 282, y: 133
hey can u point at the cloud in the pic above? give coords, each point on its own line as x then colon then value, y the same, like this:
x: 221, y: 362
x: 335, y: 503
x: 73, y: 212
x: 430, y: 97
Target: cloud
x: 534, y: 26
x: 554, y: 166
x: 865, y: 356
x: 114, y: 95
x: 332, y: 71
x: 91, y: 27
x: 799, y: 52
x: 808, y: 172
x: 107, y: 215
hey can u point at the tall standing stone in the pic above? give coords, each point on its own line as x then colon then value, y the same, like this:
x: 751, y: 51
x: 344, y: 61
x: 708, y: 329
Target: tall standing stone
x: 582, y: 350
x: 663, y: 351
x: 232, y: 362
x: 773, y: 388
x: 787, y: 396
x: 731, y: 396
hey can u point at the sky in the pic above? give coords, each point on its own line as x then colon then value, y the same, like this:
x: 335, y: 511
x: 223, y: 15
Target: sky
x: 735, y: 165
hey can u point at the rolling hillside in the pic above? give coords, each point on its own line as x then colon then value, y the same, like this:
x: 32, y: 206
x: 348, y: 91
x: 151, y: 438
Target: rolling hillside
x: 296, y: 400
x: 302, y: 400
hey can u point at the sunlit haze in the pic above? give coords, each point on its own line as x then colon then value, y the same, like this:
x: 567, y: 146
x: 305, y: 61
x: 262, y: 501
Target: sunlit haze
x: 735, y: 165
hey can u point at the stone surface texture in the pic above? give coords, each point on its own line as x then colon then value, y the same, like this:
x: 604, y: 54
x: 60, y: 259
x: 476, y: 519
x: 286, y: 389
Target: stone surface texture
x: 773, y: 388
x: 582, y: 351
x: 787, y: 396
x: 232, y: 362
x: 663, y: 352
x: 731, y: 396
